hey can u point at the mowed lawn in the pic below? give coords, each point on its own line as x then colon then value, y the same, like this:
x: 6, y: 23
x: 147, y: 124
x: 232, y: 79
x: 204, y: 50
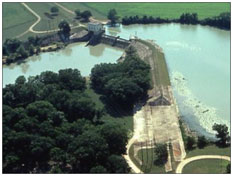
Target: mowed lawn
x: 206, y: 166
x: 46, y: 23
x: 15, y: 19
x: 163, y: 10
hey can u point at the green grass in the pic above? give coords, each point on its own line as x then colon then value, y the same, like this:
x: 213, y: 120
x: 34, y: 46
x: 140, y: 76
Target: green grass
x: 147, y: 158
x: 16, y: 19
x: 164, y: 10
x: 126, y: 121
x: 209, y: 150
x: 83, y: 6
x: 206, y: 166
x: 47, y: 23
x: 161, y: 73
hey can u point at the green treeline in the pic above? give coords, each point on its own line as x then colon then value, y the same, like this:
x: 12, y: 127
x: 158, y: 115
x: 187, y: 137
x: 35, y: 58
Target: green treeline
x: 222, y: 21
x: 50, y: 125
x: 124, y: 83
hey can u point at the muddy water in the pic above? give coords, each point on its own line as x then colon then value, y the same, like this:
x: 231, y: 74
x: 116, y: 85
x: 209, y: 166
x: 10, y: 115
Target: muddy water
x: 198, y: 60
x: 73, y: 56
x: 199, y: 56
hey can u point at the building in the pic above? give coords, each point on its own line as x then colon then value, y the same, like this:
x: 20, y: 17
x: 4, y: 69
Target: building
x: 95, y: 27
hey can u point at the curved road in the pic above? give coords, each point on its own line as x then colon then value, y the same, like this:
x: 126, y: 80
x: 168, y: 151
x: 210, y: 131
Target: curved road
x: 200, y: 157
x: 37, y: 21
x: 134, y: 168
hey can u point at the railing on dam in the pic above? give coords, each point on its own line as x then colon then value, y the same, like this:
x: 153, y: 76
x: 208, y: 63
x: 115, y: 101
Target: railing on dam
x: 114, y: 41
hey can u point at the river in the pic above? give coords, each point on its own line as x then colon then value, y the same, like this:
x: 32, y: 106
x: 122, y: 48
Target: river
x: 198, y: 59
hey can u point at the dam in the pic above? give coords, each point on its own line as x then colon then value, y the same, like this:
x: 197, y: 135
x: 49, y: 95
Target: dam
x: 157, y: 120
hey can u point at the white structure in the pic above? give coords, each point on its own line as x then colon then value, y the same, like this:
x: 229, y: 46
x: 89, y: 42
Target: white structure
x: 95, y: 27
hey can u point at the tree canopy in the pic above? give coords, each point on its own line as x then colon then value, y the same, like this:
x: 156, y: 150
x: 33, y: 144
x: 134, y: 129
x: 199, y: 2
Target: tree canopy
x: 112, y: 15
x: 123, y: 83
x: 222, y: 134
x: 49, y: 127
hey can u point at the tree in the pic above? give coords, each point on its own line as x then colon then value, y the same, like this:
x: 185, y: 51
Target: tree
x: 190, y: 143
x: 112, y: 15
x: 116, y: 137
x: 41, y: 110
x: 64, y: 28
x: 98, y: 169
x: 201, y: 141
x: 222, y: 134
x: 161, y: 154
x: 86, y: 15
x: 117, y: 164
x: 22, y: 52
x: 228, y: 169
x: 54, y: 10
x: 20, y: 80
x: 88, y: 149
x: 71, y: 79
x: 78, y: 13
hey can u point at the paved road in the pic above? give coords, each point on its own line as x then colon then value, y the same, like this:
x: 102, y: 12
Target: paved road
x: 200, y: 157
x: 134, y: 168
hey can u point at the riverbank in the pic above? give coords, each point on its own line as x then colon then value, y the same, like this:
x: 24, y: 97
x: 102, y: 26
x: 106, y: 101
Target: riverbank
x: 35, y: 45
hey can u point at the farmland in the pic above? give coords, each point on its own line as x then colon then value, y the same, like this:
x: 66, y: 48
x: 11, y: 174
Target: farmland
x: 163, y: 10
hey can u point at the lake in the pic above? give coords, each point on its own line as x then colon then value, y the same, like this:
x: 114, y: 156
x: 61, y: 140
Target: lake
x: 198, y: 59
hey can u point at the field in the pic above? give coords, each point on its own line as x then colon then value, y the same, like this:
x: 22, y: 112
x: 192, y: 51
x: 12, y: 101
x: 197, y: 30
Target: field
x: 46, y: 22
x: 209, y: 150
x: 164, y: 10
x: 206, y: 166
x: 126, y: 121
x: 16, y: 19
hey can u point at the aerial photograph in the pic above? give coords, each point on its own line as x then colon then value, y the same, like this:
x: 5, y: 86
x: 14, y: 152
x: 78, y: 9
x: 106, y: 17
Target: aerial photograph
x: 116, y: 87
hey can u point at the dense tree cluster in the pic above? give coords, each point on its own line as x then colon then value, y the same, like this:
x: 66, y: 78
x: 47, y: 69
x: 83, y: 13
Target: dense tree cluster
x: 15, y: 50
x: 123, y: 83
x: 188, y: 18
x: 50, y: 125
x: 222, y: 134
x: 85, y: 14
x: 221, y: 21
x: 112, y: 16
x: 143, y: 20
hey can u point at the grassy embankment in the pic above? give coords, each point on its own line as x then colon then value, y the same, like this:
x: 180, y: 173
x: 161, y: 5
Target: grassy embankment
x: 163, y: 10
x: 161, y: 71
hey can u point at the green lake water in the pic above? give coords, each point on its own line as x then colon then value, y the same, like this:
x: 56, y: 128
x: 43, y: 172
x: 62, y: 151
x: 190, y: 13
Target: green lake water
x: 198, y: 59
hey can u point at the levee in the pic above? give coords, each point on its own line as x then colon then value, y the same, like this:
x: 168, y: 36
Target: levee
x: 157, y: 121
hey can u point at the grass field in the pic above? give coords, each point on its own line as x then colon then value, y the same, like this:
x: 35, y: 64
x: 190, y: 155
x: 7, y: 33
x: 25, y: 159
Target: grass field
x: 47, y: 23
x: 164, y: 10
x: 206, y: 166
x: 126, y: 121
x: 209, y: 150
x: 147, y: 158
x: 15, y: 19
